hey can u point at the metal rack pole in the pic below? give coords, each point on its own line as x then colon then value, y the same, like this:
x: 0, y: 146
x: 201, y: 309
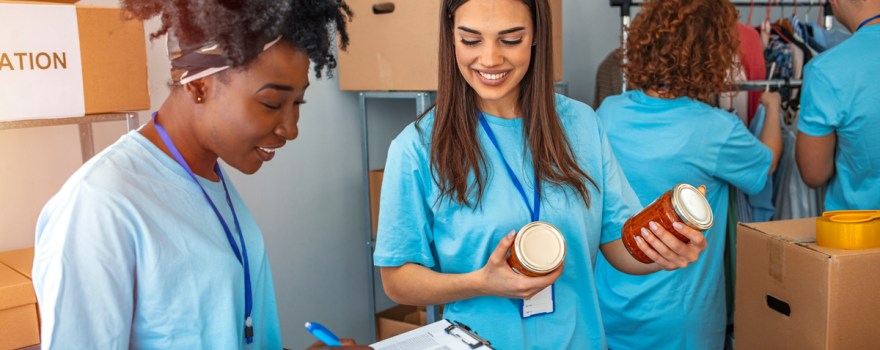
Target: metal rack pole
x: 423, y: 101
x: 626, y: 20
x: 756, y: 85
x: 86, y: 137
x: 371, y: 305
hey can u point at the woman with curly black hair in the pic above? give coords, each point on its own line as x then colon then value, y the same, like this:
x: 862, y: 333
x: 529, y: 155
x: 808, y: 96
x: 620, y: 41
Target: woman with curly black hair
x: 680, y: 54
x: 148, y: 245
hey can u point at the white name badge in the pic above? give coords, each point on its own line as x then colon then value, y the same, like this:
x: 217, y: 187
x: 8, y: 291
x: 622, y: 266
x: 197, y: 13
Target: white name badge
x: 40, y: 62
x: 540, y: 304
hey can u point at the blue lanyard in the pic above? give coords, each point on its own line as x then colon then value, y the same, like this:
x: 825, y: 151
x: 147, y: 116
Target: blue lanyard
x: 248, y: 299
x: 866, y: 22
x: 536, y: 212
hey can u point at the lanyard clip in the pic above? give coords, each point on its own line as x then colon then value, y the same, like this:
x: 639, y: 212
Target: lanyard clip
x: 249, y: 330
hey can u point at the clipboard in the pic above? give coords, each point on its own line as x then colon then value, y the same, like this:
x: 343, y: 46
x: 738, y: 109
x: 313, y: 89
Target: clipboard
x: 443, y: 334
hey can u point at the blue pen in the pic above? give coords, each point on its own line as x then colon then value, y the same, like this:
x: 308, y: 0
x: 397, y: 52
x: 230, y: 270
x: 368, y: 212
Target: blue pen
x: 323, y: 334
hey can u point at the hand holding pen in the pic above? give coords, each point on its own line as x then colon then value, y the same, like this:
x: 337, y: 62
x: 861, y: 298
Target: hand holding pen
x: 327, y: 340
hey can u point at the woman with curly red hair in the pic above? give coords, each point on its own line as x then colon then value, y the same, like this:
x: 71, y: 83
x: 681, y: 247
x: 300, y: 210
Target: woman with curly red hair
x: 681, y: 54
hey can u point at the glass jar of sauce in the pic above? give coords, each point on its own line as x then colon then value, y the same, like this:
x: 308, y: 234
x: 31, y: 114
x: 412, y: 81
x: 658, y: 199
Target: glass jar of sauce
x: 539, y: 249
x: 683, y: 203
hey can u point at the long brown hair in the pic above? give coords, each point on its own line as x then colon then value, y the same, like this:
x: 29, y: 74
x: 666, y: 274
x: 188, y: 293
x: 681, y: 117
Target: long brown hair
x: 455, y: 149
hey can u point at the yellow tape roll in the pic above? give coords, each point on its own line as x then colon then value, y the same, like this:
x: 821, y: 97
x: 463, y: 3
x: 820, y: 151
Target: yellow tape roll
x: 849, y: 229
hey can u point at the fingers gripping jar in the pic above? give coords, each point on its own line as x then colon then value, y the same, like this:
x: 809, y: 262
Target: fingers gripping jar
x: 539, y: 249
x: 683, y: 203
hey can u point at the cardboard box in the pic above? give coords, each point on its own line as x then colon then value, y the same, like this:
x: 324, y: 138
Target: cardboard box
x: 398, y: 51
x: 375, y: 192
x: 112, y: 59
x: 114, y: 56
x: 18, y: 310
x: 399, y: 319
x: 793, y: 294
x: 22, y: 260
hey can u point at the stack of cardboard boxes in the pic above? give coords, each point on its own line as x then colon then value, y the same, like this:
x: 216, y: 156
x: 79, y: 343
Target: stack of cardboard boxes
x: 19, y: 316
x: 35, y: 66
x: 113, y: 67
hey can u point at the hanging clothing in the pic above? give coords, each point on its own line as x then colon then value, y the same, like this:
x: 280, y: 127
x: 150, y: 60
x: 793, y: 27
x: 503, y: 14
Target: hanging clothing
x: 760, y: 203
x: 792, y: 198
x: 752, y: 58
x: 415, y: 226
x: 842, y: 95
x: 659, y: 143
x: 736, y: 102
x: 779, y: 52
x: 822, y: 39
x: 129, y: 254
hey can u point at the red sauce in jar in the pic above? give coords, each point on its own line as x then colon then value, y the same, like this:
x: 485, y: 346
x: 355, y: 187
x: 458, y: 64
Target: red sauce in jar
x: 683, y: 203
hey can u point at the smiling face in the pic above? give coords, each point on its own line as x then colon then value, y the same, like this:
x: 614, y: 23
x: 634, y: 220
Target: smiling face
x: 493, y: 49
x: 255, y: 110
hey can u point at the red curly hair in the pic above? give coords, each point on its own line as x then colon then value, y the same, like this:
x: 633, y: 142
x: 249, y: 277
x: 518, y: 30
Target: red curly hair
x: 683, y: 48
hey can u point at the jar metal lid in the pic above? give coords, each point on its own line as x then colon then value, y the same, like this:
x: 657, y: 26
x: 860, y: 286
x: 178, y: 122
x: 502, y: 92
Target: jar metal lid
x: 691, y: 205
x: 540, y: 247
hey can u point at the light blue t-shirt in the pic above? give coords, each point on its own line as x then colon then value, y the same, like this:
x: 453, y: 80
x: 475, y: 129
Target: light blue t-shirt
x: 660, y: 143
x: 129, y: 254
x: 412, y: 224
x: 842, y: 94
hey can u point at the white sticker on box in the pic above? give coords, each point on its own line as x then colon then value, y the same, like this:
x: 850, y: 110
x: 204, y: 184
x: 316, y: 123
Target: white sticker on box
x: 40, y: 62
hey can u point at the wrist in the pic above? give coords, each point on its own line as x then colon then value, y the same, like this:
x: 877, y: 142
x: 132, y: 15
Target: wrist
x: 475, y: 283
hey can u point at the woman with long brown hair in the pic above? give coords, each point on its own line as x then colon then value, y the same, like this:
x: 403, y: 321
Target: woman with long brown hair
x: 500, y: 150
x: 679, y: 57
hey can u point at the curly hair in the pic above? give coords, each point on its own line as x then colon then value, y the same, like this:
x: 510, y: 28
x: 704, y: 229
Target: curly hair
x: 683, y: 48
x: 241, y: 27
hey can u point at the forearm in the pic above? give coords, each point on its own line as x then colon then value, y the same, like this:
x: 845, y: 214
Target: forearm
x: 616, y: 254
x: 771, y: 134
x: 413, y: 284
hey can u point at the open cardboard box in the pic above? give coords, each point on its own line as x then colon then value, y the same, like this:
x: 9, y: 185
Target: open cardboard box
x: 399, y: 319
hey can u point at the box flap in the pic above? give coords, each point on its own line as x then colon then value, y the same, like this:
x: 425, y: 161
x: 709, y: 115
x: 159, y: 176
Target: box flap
x: 15, y: 289
x: 795, y: 231
x: 21, y: 260
x: 802, y: 232
x: 834, y: 252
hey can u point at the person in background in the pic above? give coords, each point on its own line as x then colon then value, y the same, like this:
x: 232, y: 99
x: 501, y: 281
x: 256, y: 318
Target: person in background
x: 148, y: 245
x: 837, y: 142
x: 679, y: 56
x: 497, y: 151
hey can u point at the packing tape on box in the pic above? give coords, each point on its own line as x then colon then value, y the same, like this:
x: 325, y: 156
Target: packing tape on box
x: 849, y: 229
x: 776, y: 263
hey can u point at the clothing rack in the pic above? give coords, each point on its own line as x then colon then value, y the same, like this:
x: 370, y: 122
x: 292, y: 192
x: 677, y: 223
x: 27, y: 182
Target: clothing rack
x: 757, y: 85
x: 626, y: 18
